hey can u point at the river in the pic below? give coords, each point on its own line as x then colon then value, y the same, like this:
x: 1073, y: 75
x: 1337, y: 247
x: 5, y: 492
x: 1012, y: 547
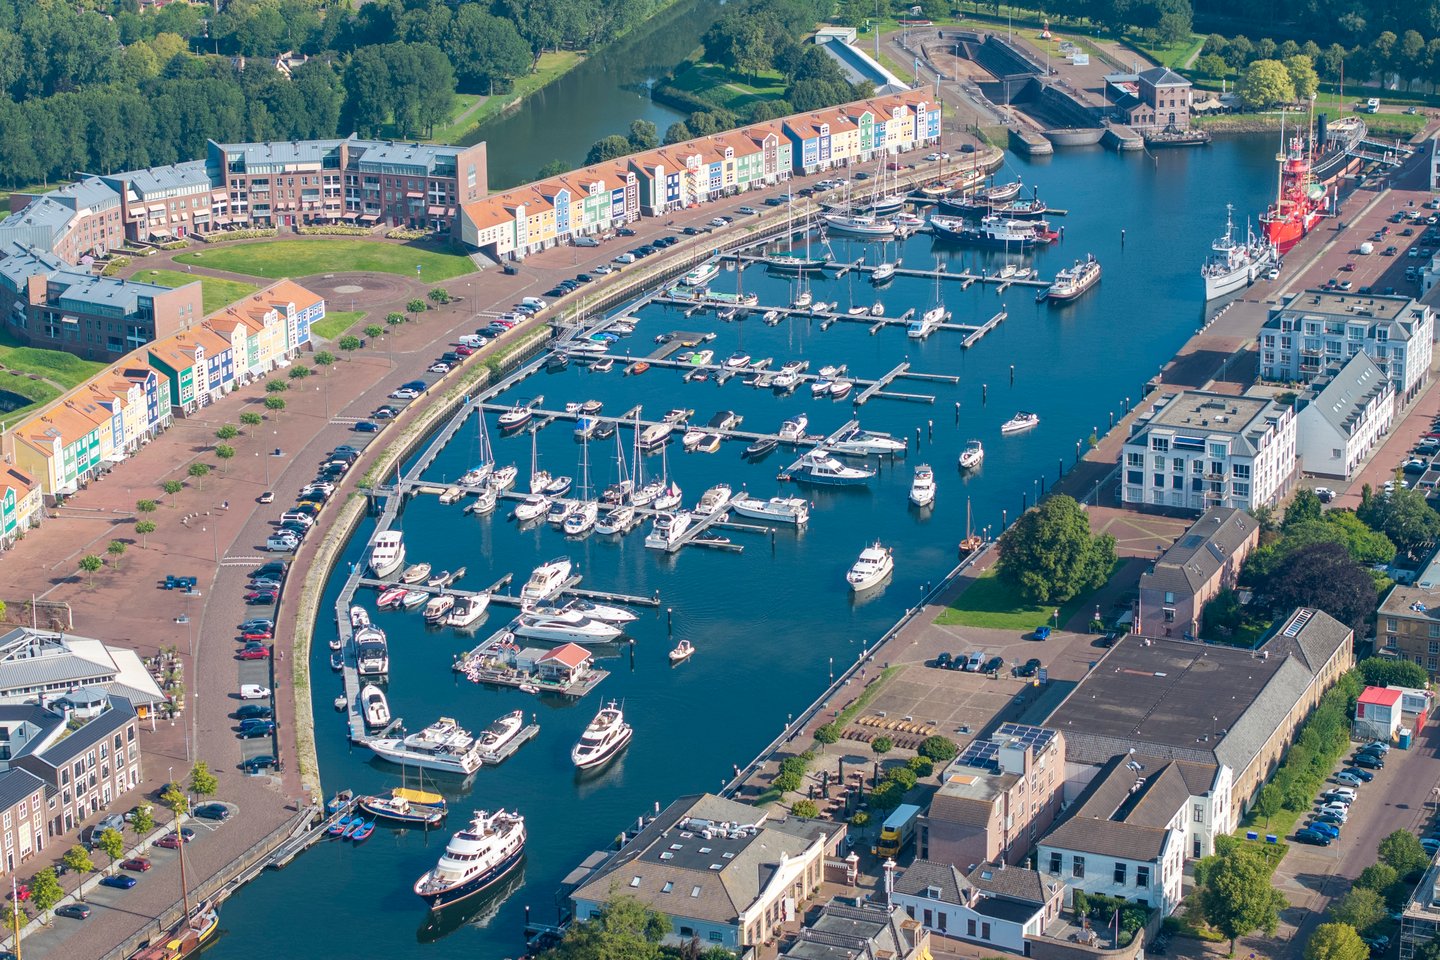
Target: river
x: 767, y: 622
x: 598, y: 98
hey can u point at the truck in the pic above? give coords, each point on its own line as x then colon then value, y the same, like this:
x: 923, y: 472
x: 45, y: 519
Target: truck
x: 897, y: 831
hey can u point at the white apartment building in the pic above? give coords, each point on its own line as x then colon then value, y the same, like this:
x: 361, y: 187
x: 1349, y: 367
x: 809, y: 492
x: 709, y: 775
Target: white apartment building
x: 1316, y: 329
x: 1346, y: 419
x: 1199, y: 450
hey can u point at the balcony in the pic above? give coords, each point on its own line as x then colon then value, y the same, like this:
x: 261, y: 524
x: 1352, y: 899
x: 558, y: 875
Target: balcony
x: 1217, y: 476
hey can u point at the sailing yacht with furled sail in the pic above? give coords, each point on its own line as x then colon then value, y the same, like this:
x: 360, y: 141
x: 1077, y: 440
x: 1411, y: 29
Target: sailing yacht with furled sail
x: 197, y: 925
x: 790, y: 263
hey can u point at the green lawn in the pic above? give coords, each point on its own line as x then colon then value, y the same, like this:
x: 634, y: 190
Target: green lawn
x: 993, y: 603
x: 551, y: 65
x: 23, y: 364
x: 216, y: 293
x: 1173, y: 55
x: 726, y: 89
x: 336, y: 322
x: 304, y: 258
x: 454, y: 127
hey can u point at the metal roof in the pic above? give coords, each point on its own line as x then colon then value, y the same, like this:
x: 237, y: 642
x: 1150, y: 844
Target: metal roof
x: 160, y: 181
x: 17, y: 785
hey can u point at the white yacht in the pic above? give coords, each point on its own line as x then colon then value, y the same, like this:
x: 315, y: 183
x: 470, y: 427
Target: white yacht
x: 922, y: 488
x: 475, y: 859
x: 581, y: 519
x: 560, y: 511
x: 817, y: 466
x: 713, y: 500
x: 444, y: 746
x: 467, y: 610
x: 866, y: 443
x: 803, y: 300
x: 606, y: 736
x: 387, y: 553
x: 616, y: 519
x: 1020, y: 422
x: 737, y: 360
x: 667, y: 529
x: 503, y: 478
x: 794, y: 428
x: 495, y: 737
x: 546, y: 580
x: 972, y: 456
x: 669, y: 497
x: 377, y: 710
x: 359, y: 617
x: 563, y: 626
x: 438, y: 608
x: 372, y: 654
x: 883, y: 272
x: 603, y: 612
x: 794, y: 510
x: 486, y: 499
x: 655, y: 435
x: 873, y: 566
x: 701, y: 275
x: 532, y: 508
x: 928, y: 323
x: 416, y: 573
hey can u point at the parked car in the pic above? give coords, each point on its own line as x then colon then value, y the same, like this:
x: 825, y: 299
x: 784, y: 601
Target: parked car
x: 1365, y: 776
x: 404, y: 393
x: 1350, y: 778
x: 1029, y: 668
x: 119, y: 881
x: 261, y: 652
x: 748, y: 211
x: 135, y: 864
x: 1337, y: 809
x: 1431, y: 845
x: 1314, y: 837
x: 261, y: 598
x: 281, y: 542
x: 1329, y: 829
x: 1042, y: 633
x: 258, y: 623
x: 213, y: 811
x: 254, y: 711
x: 256, y: 764
x: 439, y: 366
x: 257, y: 633
x: 172, y: 840
x: 1328, y: 818
x: 253, y: 691
x: 1379, y: 746
x: 1368, y: 761
x: 267, y: 497
x: 993, y: 664
x: 366, y: 426
x: 973, y: 662
x: 943, y: 660
x: 255, y: 729
x: 75, y: 911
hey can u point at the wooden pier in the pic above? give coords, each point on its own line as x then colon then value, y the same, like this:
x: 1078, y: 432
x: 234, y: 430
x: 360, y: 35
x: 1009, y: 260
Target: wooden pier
x: 983, y: 329
x: 964, y: 277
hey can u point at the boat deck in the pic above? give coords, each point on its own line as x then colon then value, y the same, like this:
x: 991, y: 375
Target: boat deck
x: 526, y: 734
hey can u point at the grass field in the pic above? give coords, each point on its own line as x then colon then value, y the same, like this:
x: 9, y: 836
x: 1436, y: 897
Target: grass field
x: 551, y: 65
x: 725, y: 89
x: 991, y: 602
x: 454, y: 127
x: 303, y: 258
x: 216, y: 292
x: 337, y: 322
x: 57, y: 370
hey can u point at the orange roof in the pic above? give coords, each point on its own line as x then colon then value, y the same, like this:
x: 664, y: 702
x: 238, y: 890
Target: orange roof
x: 69, y: 420
x: 571, y: 655
x: 18, y: 479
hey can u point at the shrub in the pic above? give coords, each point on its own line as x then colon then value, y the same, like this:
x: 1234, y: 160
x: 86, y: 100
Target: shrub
x: 923, y: 766
x: 805, y: 808
x: 938, y: 748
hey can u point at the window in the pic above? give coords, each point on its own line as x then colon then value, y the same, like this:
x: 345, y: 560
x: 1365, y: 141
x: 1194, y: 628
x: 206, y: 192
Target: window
x: 985, y: 930
x: 1077, y: 869
x: 634, y: 881
x: 970, y: 928
x: 1199, y: 813
x: 694, y: 891
x: 1057, y: 862
x: 1142, y: 876
x: 1120, y: 874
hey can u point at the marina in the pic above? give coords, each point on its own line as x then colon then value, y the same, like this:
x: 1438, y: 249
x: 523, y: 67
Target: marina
x: 803, y: 624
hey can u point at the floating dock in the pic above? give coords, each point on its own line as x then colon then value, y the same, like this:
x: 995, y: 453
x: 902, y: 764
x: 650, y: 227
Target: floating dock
x: 497, y: 757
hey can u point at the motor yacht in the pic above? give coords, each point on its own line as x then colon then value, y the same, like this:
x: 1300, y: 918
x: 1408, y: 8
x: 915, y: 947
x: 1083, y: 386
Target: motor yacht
x: 656, y: 435
x: 387, y: 553
x: 701, y: 275
x: 503, y: 478
x: 560, y: 510
x: 841, y: 388
x: 603, y: 612
x: 359, y: 617
x: 444, y: 746
x: 794, y: 510
x: 437, y: 609
x: 794, y: 428
x: 760, y: 447
x: 771, y: 317
x: 467, y: 610
x: 563, y: 626
x: 415, y: 573
x: 713, y: 500
x: 820, y: 386
x: 667, y: 529
x: 605, y: 737
x: 709, y: 443
x: 1020, y: 422
x: 499, y: 734
x: 873, y: 566
x: 519, y: 415
x: 972, y: 456
x: 558, y: 486
x: 547, y: 580
x: 390, y: 597
x: 922, y: 488
x: 883, y: 272
x: 692, y: 438
x: 532, y: 508
x: 867, y: 443
x: 819, y: 467
x: 616, y: 520
x: 377, y: 710
x: 486, y: 499
x: 737, y: 360
x: 475, y: 859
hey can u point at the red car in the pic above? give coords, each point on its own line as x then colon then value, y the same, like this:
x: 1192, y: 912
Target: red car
x: 464, y: 351
x: 22, y: 892
x: 171, y: 841
x: 255, y: 653
x: 258, y: 635
x: 137, y: 864
x: 258, y: 597
x: 1349, y: 266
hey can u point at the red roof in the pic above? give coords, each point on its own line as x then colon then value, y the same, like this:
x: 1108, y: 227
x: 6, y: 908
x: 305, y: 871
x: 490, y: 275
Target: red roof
x: 1380, y: 696
x: 571, y: 655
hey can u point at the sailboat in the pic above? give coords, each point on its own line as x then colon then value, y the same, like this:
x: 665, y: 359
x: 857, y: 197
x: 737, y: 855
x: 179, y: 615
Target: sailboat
x: 621, y: 490
x: 669, y: 496
x: 195, y: 927
x: 581, y: 517
x: 884, y: 271
x: 931, y: 319
x: 973, y: 541
x: 539, y: 479
x: 643, y: 494
x: 788, y: 262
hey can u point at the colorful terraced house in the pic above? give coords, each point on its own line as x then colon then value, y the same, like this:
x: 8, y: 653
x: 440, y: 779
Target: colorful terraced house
x: 20, y: 504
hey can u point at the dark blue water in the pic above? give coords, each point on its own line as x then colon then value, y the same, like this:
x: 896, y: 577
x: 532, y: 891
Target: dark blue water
x: 767, y: 624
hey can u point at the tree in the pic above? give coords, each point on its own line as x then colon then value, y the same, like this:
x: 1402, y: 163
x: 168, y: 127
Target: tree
x: 882, y: 745
x: 1331, y: 61
x: 143, y: 529
x: 349, y: 343
x: 1235, y: 895
x: 199, y: 471
x: 1390, y: 672
x: 1239, y: 51
x: 1302, y: 76
x: 1379, y: 877
x: 1402, y: 515
x: 142, y: 821
x: 395, y: 319
x: 1264, y: 84
x: 1269, y: 802
x: 172, y: 487
x: 937, y: 747
x: 1360, y: 908
x: 625, y: 928
x: 827, y: 733
x: 324, y: 359
x: 1304, y: 506
x: 226, y: 452
x: 275, y: 404
x: 1174, y: 27
x: 77, y: 860
x: 112, y: 843
x: 1402, y: 850
x: 276, y: 386
x: 485, y: 49
x: 91, y: 564
x: 13, y: 914
x: 416, y: 306
x: 299, y: 373
x: 643, y: 135
x: 146, y: 507
x: 1265, y: 49
x: 1050, y: 554
x: 1336, y: 941
x: 612, y: 147
x: 227, y: 432
x: 439, y: 295
x: 45, y: 890
x: 805, y: 809
x: 554, y: 168
x: 116, y: 549
x: 1411, y: 62
x: 175, y: 800
x: 374, y: 330
x: 203, y: 783
x: 1212, y: 66
x: 1322, y: 575
x: 251, y: 419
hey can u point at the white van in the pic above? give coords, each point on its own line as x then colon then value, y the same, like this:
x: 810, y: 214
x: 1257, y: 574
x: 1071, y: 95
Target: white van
x: 535, y: 302
x: 472, y: 340
x: 253, y: 691
x: 1372, y: 105
x: 281, y: 542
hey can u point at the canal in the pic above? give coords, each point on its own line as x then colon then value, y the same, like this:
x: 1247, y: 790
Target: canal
x: 771, y: 622
x: 598, y: 98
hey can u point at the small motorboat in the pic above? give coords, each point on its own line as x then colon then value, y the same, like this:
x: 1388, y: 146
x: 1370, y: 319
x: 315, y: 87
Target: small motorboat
x: 713, y: 500
x: 484, y: 501
x: 415, y: 598
x: 441, y: 579
x: 591, y: 407
x: 972, y: 456
x: 760, y: 448
x: 840, y: 389
x: 532, y: 508
x: 359, y: 617
x: 336, y: 643
x: 438, y: 608
x: 337, y: 662
x: 1020, y: 422
x: 558, y: 486
x: 874, y: 564
x: 615, y: 520
x: 363, y: 831
x: 771, y: 317
x: 603, y: 366
x: 415, y: 573
x: 865, y: 443
x: 559, y: 512
x: 503, y: 478
x: 737, y: 360
x: 692, y: 438
x: 858, y: 312
x: 341, y: 702
x: 821, y: 387
x: 519, y: 415
x: 882, y: 272
x: 467, y: 610
x: 390, y: 597
x: 922, y: 488
x: 377, y: 709
x: 877, y: 309
x: 637, y: 368
x: 683, y: 651
x: 555, y: 363
x: 709, y: 443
